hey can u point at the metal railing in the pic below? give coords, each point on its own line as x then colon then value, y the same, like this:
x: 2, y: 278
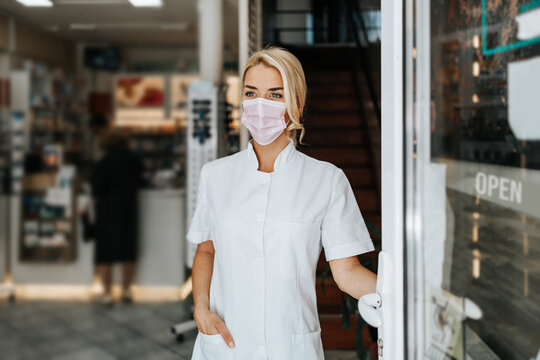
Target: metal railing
x: 329, y: 22
x: 326, y: 23
x: 357, y: 26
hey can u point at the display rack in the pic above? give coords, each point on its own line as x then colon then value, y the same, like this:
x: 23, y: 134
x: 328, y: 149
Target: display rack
x: 47, y: 229
x: 5, y: 152
x: 163, y: 154
x: 54, y: 117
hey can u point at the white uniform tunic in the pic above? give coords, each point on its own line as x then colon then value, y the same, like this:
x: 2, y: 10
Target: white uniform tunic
x: 268, y: 230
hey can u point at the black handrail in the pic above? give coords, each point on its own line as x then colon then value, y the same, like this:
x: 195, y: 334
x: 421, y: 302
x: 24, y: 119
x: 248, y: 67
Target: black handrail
x: 276, y: 31
x: 356, y: 25
x: 354, y: 16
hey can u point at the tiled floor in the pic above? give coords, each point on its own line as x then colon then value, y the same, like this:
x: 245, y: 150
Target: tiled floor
x: 85, y: 331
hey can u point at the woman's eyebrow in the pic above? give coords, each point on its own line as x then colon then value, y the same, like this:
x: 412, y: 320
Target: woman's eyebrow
x: 271, y: 89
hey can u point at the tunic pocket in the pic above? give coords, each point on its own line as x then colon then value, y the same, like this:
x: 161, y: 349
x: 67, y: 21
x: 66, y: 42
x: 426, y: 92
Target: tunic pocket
x: 213, y: 347
x: 299, y: 248
x: 307, y: 346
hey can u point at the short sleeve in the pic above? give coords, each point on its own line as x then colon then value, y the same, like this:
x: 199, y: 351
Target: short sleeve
x: 343, y: 230
x: 199, y: 228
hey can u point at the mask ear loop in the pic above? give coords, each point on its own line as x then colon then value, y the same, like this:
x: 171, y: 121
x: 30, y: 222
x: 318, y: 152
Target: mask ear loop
x: 287, y: 124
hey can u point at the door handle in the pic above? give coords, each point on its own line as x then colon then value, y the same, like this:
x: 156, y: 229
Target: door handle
x: 368, y: 306
x: 471, y: 310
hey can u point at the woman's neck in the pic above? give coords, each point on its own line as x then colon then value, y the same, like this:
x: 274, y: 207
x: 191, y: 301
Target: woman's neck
x: 267, y: 154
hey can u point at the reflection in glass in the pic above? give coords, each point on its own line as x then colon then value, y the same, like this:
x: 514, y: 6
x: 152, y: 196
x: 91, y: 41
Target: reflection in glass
x: 481, y: 176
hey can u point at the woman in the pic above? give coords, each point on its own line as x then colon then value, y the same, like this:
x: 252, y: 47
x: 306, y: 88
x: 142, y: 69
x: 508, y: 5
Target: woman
x: 115, y: 184
x: 263, y: 216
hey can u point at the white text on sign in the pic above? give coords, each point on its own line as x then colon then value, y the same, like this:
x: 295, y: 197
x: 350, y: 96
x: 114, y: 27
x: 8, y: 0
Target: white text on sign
x: 504, y: 188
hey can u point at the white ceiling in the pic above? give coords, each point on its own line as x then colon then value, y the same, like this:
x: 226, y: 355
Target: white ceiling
x: 118, y: 22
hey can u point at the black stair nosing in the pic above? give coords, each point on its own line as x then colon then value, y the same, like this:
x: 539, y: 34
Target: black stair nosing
x: 329, y: 95
x: 363, y: 187
x: 328, y: 112
x: 371, y: 213
x: 367, y: 168
x: 323, y: 147
x: 310, y: 82
x: 329, y: 126
x: 334, y: 129
x: 321, y: 106
x: 345, y: 162
x: 334, y: 162
x: 331, y: 131
x: 352, y: 143
x: 321, y: 118
x: 326, y: 88
x: 317, y: 125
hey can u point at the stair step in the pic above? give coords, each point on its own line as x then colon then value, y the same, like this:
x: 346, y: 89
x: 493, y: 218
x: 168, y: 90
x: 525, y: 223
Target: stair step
x: 325, y: 77
x: 321, y: 119
x: 322, y: 264
x: 321, y: 90
x: 334, y: 335
x: 332, y: 57
x: 368, y: 199
x: 335, y: 104
x: 339, y: 156
x: 337, y: 132
x: 334, y: 136
x: 375, y: 220
x: 360, y: 176
x: 328, y: 302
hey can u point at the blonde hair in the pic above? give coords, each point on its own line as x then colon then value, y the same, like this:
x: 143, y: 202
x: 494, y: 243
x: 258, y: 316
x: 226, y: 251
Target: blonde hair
x: 294, y: 83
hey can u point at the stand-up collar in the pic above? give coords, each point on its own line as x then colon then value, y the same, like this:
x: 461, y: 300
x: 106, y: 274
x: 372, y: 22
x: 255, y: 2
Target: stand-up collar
x: 283, y: 157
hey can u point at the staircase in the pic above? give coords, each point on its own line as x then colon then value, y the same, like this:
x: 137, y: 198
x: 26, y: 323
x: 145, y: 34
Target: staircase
x: 344, y: 131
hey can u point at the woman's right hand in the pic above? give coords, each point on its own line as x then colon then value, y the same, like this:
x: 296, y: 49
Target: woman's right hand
x: 209, y: 323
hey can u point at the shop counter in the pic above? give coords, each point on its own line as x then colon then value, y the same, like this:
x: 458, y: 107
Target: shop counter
x: 161, y: 262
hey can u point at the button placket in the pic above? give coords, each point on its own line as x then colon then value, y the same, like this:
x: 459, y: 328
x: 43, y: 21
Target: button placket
x: 258, y: 308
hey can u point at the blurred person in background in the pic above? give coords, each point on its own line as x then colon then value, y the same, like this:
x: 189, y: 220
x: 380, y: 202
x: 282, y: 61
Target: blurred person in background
x: 115, y: 182
x: 99, y: 125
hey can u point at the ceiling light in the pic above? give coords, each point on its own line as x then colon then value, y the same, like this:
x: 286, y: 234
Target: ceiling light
x: 146, y: 3
x: 36, y: 3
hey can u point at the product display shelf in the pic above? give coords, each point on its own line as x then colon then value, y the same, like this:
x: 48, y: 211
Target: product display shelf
x: 162, y: 151
x: 47, y: 230
x: 54, y: 116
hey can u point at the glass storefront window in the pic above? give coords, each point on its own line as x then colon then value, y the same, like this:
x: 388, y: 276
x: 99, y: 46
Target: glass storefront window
x: 473, y: 186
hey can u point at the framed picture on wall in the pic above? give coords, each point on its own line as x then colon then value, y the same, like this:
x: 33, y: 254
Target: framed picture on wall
x: 139, y: 99
x: 139, y: 91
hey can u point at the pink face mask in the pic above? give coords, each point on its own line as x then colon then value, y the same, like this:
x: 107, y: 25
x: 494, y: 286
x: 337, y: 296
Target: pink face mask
x: 265, y: 119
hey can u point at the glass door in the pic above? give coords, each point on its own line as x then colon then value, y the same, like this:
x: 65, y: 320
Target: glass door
x: 472, y: 171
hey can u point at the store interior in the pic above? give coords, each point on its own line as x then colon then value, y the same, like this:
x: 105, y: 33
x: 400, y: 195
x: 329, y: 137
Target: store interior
x: 70, y: 71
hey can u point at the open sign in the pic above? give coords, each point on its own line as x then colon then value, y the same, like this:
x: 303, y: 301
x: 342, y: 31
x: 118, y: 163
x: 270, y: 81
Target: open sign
x: 504, y: 188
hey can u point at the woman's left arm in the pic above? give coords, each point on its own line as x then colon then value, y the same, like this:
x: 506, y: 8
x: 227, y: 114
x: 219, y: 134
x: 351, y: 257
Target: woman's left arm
x: 353, y: 278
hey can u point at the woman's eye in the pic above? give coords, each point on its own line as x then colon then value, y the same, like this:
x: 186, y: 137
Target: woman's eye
x: 278, y: 96
x: 248, y: 93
